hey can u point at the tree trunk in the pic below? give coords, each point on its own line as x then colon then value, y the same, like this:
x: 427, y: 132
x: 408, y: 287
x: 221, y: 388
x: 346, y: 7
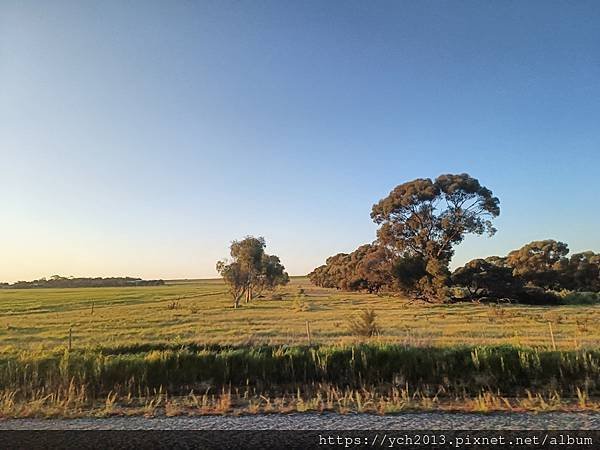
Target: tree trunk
x: 237, y: 298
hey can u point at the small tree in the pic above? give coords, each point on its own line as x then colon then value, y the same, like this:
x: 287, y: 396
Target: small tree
x: 251, y: 270
x: 235, y: 277
x: 249, y: 253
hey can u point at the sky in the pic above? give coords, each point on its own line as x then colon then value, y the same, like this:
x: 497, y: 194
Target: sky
x: 139, y: 138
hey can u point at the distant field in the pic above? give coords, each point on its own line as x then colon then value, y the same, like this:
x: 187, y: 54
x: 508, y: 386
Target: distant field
x: 200, y: 311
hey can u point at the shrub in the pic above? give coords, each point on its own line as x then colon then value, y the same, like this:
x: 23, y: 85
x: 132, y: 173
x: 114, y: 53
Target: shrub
x: 538, y: 296
x: 300, y: 305
x: 364, y: 324
x: 579, y: 298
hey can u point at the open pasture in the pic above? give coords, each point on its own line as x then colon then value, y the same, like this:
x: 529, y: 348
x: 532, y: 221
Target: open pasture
x: 200, y: 312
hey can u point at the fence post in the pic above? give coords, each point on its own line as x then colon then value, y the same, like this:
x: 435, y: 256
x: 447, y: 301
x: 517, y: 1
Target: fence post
x: 70, y: 337
x: 552, y: 336
x: 308, y: 333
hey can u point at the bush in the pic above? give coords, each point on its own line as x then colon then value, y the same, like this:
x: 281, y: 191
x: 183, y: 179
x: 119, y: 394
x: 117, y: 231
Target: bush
x: 300, y: 305
x: 579, y: 298
x: 538, y: 296
x: 364, y: 324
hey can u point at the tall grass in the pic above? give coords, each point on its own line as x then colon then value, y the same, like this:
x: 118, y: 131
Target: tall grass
x: 506, y: 370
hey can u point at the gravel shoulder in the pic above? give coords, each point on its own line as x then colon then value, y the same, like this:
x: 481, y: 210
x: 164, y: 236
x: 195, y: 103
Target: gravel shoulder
x: 329, y: 421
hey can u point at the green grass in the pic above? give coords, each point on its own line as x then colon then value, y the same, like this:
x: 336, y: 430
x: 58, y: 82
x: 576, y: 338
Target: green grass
x: 362, y: 378
x: 39, y: 319
x: 505, y: 369
x: 182, y: 348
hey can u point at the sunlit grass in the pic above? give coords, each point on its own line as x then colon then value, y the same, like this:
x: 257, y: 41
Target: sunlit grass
x: 73, y: 402
x: 182, y: 349
x: 378, y: 378
x: 41, y: 318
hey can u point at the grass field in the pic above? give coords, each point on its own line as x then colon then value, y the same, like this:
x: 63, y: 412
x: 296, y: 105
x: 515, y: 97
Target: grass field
x: 183, y: 348
x: 200, y: 312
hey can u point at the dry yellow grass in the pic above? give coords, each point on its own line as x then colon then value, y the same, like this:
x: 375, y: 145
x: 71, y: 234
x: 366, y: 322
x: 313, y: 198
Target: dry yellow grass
x: 201, y: 312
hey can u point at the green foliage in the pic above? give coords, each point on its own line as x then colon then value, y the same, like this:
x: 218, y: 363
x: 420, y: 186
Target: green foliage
x: 481, y: 278
x: 251, y: 270
x: 373, y: 268
x: 407, y: 271
x: 272, y: 274
x: 534, y: 295
x: 235, y: 277
x: 420, y: 223
x: 368, y: 268
x: 539, y: 263
x: 426, y: 219
x: 582, y: 272
x: 531, y: 274
x: 579, y: 298
x: 332, y: 273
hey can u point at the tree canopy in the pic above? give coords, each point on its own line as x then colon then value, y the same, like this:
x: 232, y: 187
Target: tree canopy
x: 582, y: 272
x: 484, y: 278
x: 530, y: 273
x: 367, y: 268
x: 422, y: 220
x: 420, y: 224
x: 250, y: 270
x: 540, y: 263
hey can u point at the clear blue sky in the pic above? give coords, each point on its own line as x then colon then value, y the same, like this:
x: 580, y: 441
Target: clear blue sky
x: 140, y: 137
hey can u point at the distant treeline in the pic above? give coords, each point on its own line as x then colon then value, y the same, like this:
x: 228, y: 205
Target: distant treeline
x: 57, y: 281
